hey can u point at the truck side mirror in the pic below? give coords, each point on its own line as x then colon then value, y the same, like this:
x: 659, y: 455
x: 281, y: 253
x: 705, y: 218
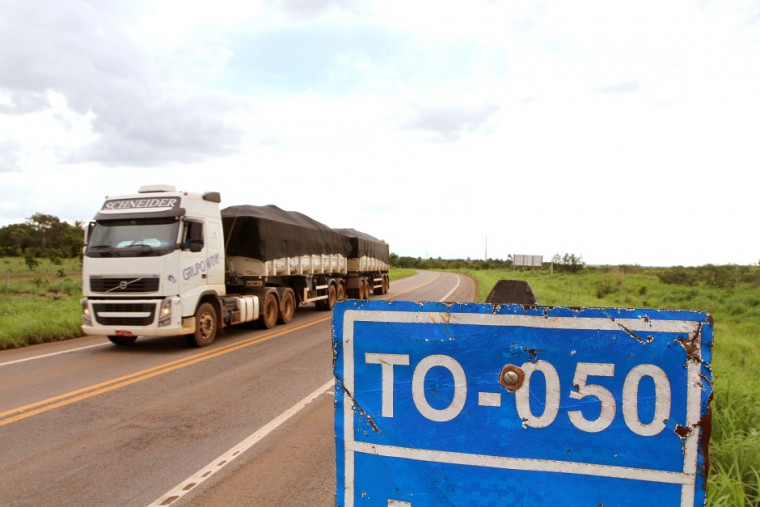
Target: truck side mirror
x: 88, y: 233
x: 196, y: 245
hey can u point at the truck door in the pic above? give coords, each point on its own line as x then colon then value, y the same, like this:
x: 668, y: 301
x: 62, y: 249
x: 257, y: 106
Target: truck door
x: 215, y: 258
x: 194, y: 258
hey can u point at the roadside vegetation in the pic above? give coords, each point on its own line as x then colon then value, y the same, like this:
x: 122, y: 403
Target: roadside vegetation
x: 39, y: 304
x: 396, y: 273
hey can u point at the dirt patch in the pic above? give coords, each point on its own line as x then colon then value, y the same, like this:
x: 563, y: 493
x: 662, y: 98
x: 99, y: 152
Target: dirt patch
x: 50, y: 276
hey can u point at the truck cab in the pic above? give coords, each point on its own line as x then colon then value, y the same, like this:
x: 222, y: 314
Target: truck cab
x: 151, y: 261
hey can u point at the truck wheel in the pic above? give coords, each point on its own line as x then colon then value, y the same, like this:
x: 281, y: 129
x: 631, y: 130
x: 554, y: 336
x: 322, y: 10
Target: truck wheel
x: 269, y: 312
x: 287, y: 307
x: 341, y: 292
x: 332, y: 296
x: 122, y: 340
x: 366, y: 289
x: 360, y: 290
x: 386, y: 284
x: 205, y: 326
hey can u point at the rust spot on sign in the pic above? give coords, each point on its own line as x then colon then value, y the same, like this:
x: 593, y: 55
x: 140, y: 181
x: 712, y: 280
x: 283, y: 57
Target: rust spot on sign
x: 533, y: 354
x: 704, y: 442
x: 358, y: 407
x: 682, y: 431
x: 633, y: 335
x: 691, y: 346
x: 705, y: 423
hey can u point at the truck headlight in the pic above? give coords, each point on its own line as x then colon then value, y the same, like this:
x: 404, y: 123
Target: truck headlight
x: 86, y: 317
x: 165, y: 312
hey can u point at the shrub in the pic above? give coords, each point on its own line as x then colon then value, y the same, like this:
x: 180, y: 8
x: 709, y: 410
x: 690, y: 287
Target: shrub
x: 31, y: 262
x: 677, y: 275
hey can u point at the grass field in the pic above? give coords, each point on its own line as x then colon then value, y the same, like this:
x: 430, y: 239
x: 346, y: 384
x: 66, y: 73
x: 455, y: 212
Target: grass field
x: 734, y: 477
x: 43, y: 305
x: 40, y: 304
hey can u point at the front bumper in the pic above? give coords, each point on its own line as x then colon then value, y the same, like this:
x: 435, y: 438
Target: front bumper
x: 135, y: 317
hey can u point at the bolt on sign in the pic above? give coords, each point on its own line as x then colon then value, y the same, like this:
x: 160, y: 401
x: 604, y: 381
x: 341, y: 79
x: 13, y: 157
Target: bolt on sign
x: 472, y: 404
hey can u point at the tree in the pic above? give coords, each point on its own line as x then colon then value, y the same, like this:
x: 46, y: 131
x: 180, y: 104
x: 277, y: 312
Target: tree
x: 15, y: 239
x: 42, y: 234
x: 568, y: 262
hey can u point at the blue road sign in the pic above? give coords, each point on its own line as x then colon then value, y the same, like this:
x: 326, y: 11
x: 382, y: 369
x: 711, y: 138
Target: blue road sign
x: 439, y: 404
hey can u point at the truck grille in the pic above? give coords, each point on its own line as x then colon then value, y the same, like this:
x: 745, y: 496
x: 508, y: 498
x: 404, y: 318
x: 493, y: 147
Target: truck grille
x: 124, y: 284
x: 124, y: 314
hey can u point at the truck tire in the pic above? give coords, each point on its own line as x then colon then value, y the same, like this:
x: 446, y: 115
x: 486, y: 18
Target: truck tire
x: 287, y: 306
x: 361, y: 294
x: 270, y: 312
x: 367, y: 288
x: 332, y: 297
x: 205, y: 326
x: 341, y: 292
x: 122, y: 340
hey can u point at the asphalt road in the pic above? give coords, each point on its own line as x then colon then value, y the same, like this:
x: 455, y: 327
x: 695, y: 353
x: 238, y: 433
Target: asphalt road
x: 246, y: 421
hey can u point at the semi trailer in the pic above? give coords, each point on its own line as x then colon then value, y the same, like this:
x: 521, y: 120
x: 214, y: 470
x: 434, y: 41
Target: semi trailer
x: 163, y: 263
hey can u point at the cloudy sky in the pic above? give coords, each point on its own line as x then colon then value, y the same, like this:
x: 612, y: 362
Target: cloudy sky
x: 625, y: 133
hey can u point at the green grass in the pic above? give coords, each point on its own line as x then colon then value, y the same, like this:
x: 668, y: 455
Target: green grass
x: 26, y: 320
x: 396, y: 273
x: 11, y: 268
x: 41, y: 304
x: 734, y: 476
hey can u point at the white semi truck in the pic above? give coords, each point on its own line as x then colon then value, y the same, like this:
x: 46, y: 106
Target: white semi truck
x: 164, y: 263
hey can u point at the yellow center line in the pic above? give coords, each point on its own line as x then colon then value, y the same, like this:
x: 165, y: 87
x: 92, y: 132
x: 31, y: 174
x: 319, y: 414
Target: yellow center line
x: 62, y: 400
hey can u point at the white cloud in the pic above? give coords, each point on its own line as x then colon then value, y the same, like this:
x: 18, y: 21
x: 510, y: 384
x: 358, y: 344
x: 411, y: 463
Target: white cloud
x: 619, y: 132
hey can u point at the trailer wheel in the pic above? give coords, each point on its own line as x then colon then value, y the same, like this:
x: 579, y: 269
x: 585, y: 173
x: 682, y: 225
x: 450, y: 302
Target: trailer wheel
x: 341, y: 292
x: 332, y: 296
x: 362, y: 290
x: 122, y: 340
x: 287, y: 307
x: 386, y: 284
x: 205, y: 326
x: 270, y: 312
x: 367, y: 288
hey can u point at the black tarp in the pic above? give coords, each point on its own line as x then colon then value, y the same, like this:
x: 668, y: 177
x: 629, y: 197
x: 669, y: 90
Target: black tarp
x: 363, y: 244
x: 268, y: 232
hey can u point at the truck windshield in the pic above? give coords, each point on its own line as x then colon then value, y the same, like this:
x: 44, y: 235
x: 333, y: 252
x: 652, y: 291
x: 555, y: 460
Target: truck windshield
x: 133, y: 237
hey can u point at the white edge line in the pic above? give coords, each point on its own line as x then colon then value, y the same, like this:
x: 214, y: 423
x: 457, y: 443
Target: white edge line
x: 459, y: 280
x: 54, y: 354
x: 216, y: 465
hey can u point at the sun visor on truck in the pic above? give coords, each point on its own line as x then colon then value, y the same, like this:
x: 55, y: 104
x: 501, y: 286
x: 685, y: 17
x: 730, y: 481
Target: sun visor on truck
x: 142, y: 207
x: 363, y: 244
x: 268, y: 232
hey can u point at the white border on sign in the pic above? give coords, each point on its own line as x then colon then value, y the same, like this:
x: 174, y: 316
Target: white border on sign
x: 693, y: 398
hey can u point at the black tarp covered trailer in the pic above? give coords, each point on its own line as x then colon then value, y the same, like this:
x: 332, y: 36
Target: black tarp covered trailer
x: 362, y: 244
x: 268, y: 232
